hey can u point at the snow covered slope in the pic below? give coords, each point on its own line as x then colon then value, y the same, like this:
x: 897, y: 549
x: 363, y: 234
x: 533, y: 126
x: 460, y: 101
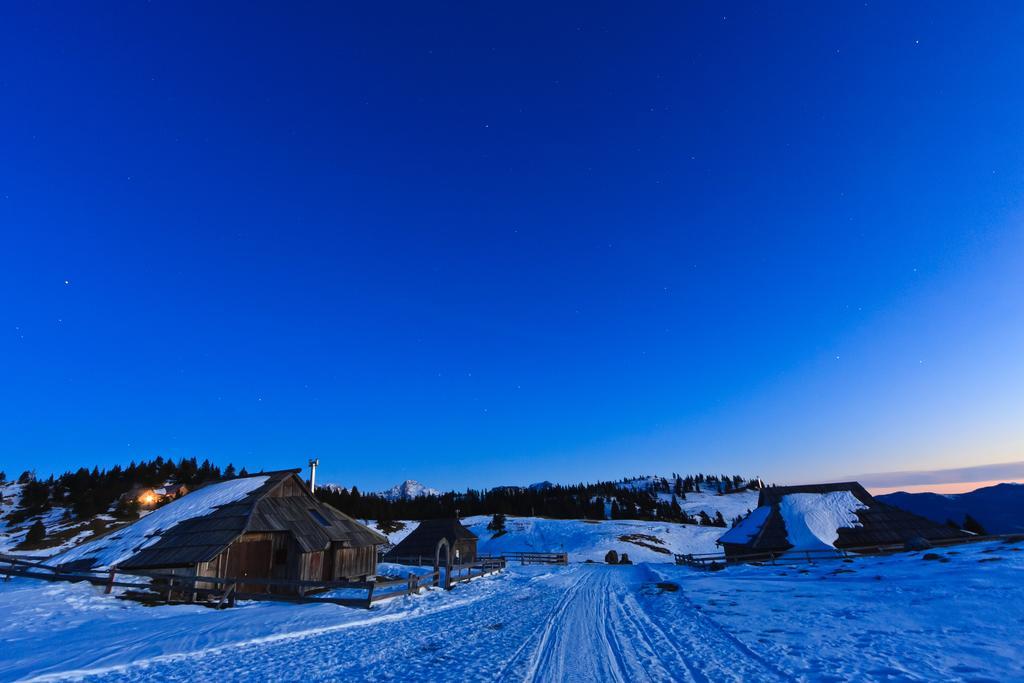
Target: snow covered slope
x: 588, y: 540
x: 644, y: 541
x: 63, y: 530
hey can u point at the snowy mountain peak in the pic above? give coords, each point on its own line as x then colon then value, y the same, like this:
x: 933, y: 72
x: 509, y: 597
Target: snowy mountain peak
x: 409, y: 489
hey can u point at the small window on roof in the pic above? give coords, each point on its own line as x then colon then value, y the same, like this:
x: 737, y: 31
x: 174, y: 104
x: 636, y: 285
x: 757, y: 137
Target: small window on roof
x: 318, y: 517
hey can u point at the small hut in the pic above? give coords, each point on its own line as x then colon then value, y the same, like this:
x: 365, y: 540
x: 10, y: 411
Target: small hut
x: 266, y: 526
x: 420, y: 546
x: 149, y: 497
x: 869, y: 522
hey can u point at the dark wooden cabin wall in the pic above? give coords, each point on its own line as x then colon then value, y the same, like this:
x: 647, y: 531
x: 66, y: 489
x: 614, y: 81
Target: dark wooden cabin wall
x: 354, y: 563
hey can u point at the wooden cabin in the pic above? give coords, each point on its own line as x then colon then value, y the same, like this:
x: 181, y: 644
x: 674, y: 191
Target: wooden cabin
x: 279, y: 530
x: 149, y: 497
x: 763, y: 531
x: 420, y: 546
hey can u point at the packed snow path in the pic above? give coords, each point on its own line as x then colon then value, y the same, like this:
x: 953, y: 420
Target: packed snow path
x: 584, y: 623
x: 944, y: 615
x: 599, y: 631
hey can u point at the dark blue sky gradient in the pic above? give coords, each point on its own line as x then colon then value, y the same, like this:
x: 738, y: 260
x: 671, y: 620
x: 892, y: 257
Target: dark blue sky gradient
x: 479, y: 244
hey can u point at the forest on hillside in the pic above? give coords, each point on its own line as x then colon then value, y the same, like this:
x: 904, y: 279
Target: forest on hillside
x: 87, y: 492
x: 635, y: 498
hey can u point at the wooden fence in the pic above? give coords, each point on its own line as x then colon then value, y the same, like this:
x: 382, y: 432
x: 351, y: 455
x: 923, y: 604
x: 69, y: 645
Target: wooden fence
x: 497, y: 561
x: 713, y: 561
x: 529, y: 557
x: 177, y: 588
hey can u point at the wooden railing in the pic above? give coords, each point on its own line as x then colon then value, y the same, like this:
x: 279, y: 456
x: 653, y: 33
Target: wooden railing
x: 719, y: 560
x: 170, y: 588
x: 502, y: 560
x: 530, y: 557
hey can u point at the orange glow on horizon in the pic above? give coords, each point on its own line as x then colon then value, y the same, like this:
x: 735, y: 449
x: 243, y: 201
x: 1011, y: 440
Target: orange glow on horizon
x: 954, y: 487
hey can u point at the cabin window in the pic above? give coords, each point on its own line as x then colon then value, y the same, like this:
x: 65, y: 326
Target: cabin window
x: 318, y: 517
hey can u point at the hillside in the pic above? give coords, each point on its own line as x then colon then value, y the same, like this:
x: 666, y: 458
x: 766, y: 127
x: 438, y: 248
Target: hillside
x: 643, y: 540
x: 999, y: 508
x: 567, y: 518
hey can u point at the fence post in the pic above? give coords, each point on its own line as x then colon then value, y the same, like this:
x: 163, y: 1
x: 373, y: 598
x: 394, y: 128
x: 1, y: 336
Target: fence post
x: 369, y: 595
x: 110, y: 581
x: 228, y: 595
x: 412, y: 584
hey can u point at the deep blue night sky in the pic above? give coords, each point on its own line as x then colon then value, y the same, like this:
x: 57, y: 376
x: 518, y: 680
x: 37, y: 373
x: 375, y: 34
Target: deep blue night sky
x: 482, y: 244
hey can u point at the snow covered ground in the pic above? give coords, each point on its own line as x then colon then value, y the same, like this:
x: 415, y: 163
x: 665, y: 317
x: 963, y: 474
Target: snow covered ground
x: 956, y: 616
x: 591, y: 540
x: 63, y: 531
x: 587, y: 540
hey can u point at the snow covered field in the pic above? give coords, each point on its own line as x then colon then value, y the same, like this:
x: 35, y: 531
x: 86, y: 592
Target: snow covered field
x: 590, y: 540
x: 955, y: 617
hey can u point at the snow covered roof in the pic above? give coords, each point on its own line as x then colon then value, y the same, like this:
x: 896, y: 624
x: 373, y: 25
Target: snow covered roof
x: 743, y: 532
x: 813, y: 520
x: 123, y: 544
x: 424, y: 538
x: 837, y: 515
x: 197, y: 527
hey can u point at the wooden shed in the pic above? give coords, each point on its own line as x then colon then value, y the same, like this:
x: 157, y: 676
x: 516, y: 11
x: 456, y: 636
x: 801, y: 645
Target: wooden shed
x: 764, y: 530
x: 419, y: 546
x: 277, y: 531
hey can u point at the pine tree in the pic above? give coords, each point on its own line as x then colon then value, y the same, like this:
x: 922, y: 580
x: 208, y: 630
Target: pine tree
x: 974, y: 526
x: 497, y: 523
x: 36, y: 533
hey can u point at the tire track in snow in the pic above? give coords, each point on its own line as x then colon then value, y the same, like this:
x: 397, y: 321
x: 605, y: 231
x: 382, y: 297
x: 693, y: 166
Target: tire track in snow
x: 729, y: 657
x: 543, y: 628
x: 632, y: 612
x: 580, y: 623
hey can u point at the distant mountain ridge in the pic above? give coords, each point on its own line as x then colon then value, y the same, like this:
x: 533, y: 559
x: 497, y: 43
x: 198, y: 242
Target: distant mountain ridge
x: 999, y: 508
x: 409, y: 489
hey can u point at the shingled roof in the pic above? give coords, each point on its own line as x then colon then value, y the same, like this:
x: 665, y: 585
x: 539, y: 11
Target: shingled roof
x: 424, y: 538
x: 313, y: 524
x: 881, y: 524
